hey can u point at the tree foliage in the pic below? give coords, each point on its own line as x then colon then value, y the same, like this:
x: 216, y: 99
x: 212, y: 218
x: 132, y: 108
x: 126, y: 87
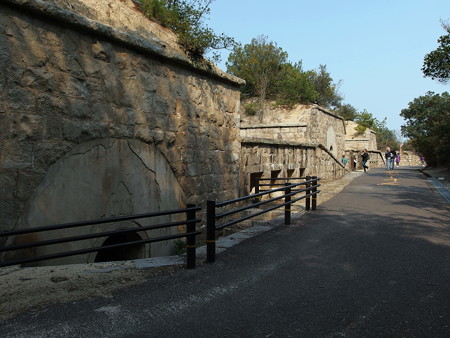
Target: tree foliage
x: 259, y: 63
x: 347, y: 111
x: 428, y: 126
x: 366, y: 120
x: 185, y: 18
x: 385, y: 136
x: 268, y: 74
x: 437, y: 63
x: 327, y: 91
x: 295, y: 85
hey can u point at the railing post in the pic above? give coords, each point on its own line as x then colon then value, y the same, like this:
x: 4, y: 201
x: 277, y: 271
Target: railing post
x: 308, y: 191
x: 190, y: 239
x: 287, y: 207
x: 314, y: 196
x: 211, y: 231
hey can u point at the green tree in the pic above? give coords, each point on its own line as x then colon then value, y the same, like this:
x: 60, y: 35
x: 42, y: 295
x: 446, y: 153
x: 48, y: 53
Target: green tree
x: 259, y: 63
x: 347, y: 111
x: 437, y: 63
x: 408, y: 145
x: 294, y: 85
x: 385, y: 136
x: 185, y: 18
x: 428, y: 127
x: 327, y: 91
x: 365, y: 120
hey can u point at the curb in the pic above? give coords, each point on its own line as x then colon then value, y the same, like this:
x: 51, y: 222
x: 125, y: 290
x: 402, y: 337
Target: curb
x: 445, y: 192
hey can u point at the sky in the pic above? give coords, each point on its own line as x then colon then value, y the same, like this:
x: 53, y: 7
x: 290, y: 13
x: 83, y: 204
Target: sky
x: 376, y: 48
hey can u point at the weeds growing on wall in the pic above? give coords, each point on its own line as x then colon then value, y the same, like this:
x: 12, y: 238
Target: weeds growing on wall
x: 185, y: 18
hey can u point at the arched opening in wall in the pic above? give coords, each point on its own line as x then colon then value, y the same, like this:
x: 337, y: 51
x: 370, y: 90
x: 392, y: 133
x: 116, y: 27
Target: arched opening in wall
x: 254, y: 181
x: 301, y: 172
x: 331, y: 148
x: 273, y: 177
x: 125, y: 253
x: 290, y: 172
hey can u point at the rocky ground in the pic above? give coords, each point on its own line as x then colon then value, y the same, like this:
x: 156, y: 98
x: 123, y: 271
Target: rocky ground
x: 29, y: 289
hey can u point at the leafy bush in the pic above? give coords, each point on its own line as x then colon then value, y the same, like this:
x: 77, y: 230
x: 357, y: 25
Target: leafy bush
x: 180, y: 247
x: 251, y: 109
x: 185, y: 19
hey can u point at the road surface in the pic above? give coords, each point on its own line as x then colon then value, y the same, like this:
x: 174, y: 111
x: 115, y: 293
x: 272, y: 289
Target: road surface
x: 374, y: 261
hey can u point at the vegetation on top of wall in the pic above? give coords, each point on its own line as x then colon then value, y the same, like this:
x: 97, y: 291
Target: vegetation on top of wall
x: 185, y: 18
x: 269, y: 75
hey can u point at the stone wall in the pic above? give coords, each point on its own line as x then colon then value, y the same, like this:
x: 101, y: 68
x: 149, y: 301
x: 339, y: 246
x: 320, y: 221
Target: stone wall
x: 301, y: 124
x: 296, y: 133
x: 74, y: 90
x: 410, y: 158
x: 376, y: 159
x: 305, y: 140
x: 355, y: 141
x: 268, y: 159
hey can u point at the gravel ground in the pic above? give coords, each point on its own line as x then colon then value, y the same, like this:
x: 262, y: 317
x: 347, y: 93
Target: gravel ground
x: 30, y: 289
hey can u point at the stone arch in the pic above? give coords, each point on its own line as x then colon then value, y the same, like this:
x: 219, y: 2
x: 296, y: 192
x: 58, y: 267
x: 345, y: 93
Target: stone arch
x: 104, y: 178
x: 331, y: 140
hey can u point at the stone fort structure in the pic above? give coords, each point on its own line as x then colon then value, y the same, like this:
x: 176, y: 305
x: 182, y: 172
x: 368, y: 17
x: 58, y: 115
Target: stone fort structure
x: 102, y: 114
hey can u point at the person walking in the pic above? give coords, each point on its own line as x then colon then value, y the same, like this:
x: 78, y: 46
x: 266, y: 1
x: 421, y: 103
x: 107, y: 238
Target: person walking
x: 344, y: 161
x: 397, y: 159
x: 392, y: 158
x: 387, y: 157
x: 365, y: 157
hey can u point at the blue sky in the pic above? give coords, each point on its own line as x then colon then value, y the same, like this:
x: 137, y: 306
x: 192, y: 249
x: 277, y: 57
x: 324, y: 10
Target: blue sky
x: 375, y: 47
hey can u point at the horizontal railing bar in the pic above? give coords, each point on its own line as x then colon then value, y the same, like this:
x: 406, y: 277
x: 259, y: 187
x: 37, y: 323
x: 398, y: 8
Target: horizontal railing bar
x: 85, y: 251
x: 240, y: 199
x: 264, y: 211
x: 235, y: 211
x: 96, y: 221
x: 231, y: 212
x: 281, y: 178
x: 250, y: 216
x: 295, y: 184
x: 96, y: 235
x: 304, y: 196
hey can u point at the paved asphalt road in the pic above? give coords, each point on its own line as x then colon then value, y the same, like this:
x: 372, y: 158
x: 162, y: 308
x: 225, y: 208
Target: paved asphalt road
x: 374, y: 261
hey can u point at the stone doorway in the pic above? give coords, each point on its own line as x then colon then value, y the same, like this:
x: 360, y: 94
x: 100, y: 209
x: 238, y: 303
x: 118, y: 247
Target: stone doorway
x: 135, y: 251
x: 102, y: 179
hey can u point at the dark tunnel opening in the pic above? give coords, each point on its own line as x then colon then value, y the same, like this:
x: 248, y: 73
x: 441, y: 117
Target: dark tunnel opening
x: 124, y: 253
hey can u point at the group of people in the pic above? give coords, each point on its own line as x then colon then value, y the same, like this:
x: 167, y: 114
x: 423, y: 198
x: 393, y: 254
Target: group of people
x: 390, y: 155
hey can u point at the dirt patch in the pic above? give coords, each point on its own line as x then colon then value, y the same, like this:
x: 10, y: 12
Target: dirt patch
x: 29, y: 289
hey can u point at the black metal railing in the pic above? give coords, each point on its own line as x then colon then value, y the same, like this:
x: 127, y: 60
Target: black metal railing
x: 290, y: 189
x: 260, y: 186
x: 190, y: 236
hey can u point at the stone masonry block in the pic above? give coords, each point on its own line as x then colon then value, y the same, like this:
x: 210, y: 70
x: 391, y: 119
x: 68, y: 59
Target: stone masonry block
x: 27, y: 182
x: 16, y: 155
x: 8, y: 185
x: 21, y: 100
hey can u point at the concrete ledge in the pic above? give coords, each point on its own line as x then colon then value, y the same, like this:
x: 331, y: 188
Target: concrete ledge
x: 440, y: 188
x: 148, y: 263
